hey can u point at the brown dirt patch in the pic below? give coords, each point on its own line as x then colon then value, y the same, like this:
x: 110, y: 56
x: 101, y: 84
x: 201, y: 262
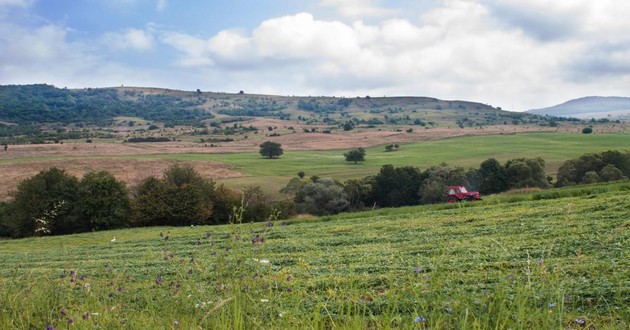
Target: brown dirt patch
x: 131, y: 171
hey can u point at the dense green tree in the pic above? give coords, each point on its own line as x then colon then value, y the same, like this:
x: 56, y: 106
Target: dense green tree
x: 356, y: 155
x: 393, y: 187
x: 43, y: 205
x: 526, y: 172
x: 181, y: 197
x: 103, y: 202
x: 359, y: 192
x: 271, y: 149
x: 611, y: 173
x: 493, y: 177
x: 323, y: 197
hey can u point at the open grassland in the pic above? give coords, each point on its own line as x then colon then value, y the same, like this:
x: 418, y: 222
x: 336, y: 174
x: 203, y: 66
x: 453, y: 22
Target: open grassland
x: 248, y: 168
x: 555, y: 259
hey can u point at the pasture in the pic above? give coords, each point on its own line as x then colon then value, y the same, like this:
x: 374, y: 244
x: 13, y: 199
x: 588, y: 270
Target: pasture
x: 245, y: 167
x: 554, y: 259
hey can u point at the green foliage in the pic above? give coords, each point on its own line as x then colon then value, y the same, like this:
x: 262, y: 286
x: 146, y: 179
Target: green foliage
x: 323, y: 197
x: 356, y: 155
x: 587, y: 130
x: 526, y: 172
x: 103, y: 203
x: 43, y: 205
x: 393, y: 187
x: 271, y: 150
x: 494, y: 177
x: 181, y: 197
x: 607, y: 166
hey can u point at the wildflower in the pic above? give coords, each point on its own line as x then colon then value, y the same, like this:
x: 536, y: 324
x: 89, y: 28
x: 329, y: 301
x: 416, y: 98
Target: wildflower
x: 264, y: 300
x: 86, y: 315
x: 419, y: 319
x: 190, y: 271
x: 70, y: 321
x: 176, y: 323
x: 552, y: 305
x: 171, y: 255
x: 208, y: 234
x: 48, y: 327
x: 283, y: 223
x: 269, y: 223
x: 72, y: 273
x: 63, y: 275
x: 158, y: 280
x: 62, y: 312
x: 166, y: 238
x: 257, y: 239
x: 418, y: 270
x: 264, y: 261
x: 83, y: 277
x: 541, y: 261
x: 161, y: 235
x: 449, y: 310
x: 580, y: 322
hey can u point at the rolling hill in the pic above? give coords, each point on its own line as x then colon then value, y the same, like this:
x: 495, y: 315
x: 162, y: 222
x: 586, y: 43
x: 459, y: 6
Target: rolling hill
x: 597, y: 107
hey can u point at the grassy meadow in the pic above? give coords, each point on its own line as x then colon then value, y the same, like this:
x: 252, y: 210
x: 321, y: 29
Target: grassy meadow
x: 553, y: 259
x: 467, y: 151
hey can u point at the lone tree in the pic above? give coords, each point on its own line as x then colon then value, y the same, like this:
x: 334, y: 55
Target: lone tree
x: 356, y: 155
x: 271, y: 149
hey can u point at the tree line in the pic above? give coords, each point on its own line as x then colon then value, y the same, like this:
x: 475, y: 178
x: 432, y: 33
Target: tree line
x: 55, y: 203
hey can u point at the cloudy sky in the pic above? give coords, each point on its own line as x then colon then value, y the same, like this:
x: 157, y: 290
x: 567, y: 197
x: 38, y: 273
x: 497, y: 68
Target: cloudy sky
x: 514, y: 54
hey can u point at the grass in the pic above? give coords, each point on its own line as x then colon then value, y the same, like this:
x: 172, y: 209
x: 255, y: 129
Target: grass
x: 554, y: 259
x: 467, y: 151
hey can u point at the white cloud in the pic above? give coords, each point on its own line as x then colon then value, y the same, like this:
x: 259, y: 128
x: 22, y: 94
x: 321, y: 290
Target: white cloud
x: 134, y: 39
x: 161, y: 5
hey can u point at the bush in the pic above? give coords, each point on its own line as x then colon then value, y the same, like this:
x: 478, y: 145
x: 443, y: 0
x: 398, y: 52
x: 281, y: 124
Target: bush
x: 587, y: 130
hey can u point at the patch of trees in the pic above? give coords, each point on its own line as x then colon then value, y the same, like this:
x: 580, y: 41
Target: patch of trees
x: 314, y: 105
x: 255, y: 108
x: 32, y: 105
x: 56, y: 203
x: 147, y: 139
x: 607, y: 166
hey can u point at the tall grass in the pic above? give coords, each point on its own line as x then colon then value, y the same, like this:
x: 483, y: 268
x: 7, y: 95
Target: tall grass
x: 521, y: 262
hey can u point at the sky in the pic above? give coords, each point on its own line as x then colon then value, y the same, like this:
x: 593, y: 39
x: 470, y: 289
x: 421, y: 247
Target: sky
x: 513, y: 54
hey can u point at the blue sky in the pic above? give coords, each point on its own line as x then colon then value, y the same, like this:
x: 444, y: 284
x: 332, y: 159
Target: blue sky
x: 514, y: 54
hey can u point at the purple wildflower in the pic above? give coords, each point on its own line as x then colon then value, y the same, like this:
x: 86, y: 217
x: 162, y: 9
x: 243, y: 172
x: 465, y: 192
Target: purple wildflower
x: 269, y: 223
x: 208, y: 234
x: 283, y: 223
x: 72, y: 273
x: 86, y: 315
x: 170, y: 255
x: 419, y: 319
x: 49, y: 327
x: 63, y: 275
x: 161, y: 234
x: 190, y: 271
x: 552, y: 305
x: 167, y: 238
x: 83, y: 277
x: 580, y: 322
x: 257, y: 239
x: 541, y: 261
x: 119, y: 289
x: 70, y: 321
x: 418, y: 270
x: 62, y: 312
x: 158, y: 280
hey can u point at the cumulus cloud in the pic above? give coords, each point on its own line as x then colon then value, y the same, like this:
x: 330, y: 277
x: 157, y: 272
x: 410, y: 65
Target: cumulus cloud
x: 134, y: 39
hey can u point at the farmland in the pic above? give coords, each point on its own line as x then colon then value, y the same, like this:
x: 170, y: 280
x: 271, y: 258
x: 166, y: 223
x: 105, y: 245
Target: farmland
x: 245, y: 167
x: 548, y: 259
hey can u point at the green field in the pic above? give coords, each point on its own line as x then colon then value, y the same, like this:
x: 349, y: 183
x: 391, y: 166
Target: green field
x: 554, y: 259
x: 467, y: 151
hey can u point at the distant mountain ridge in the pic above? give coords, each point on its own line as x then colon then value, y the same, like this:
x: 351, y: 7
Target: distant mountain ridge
x: 615, y: 107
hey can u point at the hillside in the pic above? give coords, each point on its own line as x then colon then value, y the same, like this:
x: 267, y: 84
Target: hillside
x: 597, y: 107
x: 553, y: 259
x: 40, y: 113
